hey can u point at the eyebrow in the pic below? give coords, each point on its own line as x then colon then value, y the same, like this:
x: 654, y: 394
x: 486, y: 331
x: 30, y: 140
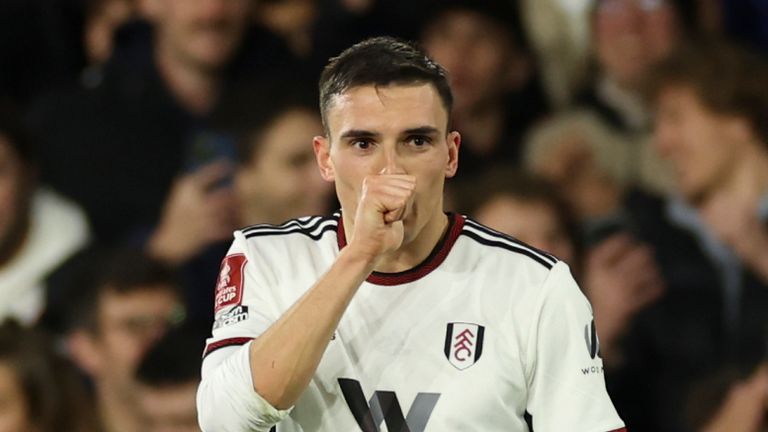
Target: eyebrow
x: 358, y: 133
x: 422, y: 130
x: 361, y: 133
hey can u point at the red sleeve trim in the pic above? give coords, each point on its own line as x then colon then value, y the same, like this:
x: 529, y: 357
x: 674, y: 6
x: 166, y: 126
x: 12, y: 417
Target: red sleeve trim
x: 619, y: 430
x: 211, y: 347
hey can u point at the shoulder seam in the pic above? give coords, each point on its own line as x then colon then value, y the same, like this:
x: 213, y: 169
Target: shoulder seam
x: 496, y: 235
x: 498, y: 244
x: 306, y: 223
x: 314, y: 232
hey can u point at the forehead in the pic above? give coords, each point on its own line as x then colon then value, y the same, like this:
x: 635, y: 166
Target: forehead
x: 387, y: 108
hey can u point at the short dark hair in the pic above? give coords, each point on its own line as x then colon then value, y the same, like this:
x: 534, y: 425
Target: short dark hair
x: 93, y: 272
x: 381, y: 61
x: 726, y: 78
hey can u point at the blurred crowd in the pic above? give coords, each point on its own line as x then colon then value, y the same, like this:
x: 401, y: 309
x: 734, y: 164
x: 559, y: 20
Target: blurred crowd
x: 627, y: 137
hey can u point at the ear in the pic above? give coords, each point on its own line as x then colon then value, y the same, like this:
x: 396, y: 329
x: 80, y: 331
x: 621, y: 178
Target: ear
x: 454, y: 142
x: 85, y: 353
x: 322, y: 147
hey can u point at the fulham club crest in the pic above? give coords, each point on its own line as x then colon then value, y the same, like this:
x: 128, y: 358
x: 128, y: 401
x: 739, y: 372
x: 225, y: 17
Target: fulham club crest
x: 463, y: 344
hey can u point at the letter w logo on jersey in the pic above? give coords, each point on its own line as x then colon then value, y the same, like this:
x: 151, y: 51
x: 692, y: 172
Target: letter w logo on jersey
x: 384, y: 407
x: 463, y: 344
x: 229, y: 287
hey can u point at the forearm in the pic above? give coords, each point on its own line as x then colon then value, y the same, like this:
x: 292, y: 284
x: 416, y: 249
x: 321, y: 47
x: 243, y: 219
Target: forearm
x: 284, y: 358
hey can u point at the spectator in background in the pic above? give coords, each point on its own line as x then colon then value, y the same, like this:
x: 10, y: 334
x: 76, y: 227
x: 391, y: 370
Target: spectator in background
x: 291, y: 20
x: 168, y: 377
x: 493, y: 77
x: 126, y: 305
x: 274, y: 178
x: 38, y: 229
x: 153, y: 109
x: 625, y: 226
x: 629, y: 37
x: 40, y: 390
x: 712, y: 105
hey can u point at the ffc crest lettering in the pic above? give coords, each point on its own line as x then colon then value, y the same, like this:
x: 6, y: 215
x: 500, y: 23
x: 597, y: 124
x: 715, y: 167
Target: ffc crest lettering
x: 229, y: 288
x: 463, y: 344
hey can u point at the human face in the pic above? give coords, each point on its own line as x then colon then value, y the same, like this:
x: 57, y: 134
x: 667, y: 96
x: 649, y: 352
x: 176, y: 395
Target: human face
x: 14, y: 198
x: 702, y: 146
x: 14, y: 413
x: 631, y: 36
x: 201, y: 33
x: 170, y: 408
x: 128, y: 325
x: 533, y: 222
x: 476, y: 53
x: 390, y: 130
x: 282, y: 175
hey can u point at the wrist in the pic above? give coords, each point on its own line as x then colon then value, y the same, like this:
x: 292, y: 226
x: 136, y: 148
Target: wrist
x: 354, y: 256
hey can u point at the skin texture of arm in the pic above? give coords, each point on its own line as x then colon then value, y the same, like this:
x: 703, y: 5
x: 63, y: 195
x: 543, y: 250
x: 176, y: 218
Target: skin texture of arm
x: 284, y: 358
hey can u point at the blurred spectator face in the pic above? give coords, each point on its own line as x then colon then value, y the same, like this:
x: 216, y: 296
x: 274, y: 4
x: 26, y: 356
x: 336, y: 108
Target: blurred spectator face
x: 533, y: 222
x: 477, y: 54
x: 201, y: 33
x: 14, y: 198
x: 701, y: 145
x: 132, y: 322
x: 282, y: 174
x: 14, y: 413
x: 631, y: 36
x: 170, y: 408
x: 127, y: 326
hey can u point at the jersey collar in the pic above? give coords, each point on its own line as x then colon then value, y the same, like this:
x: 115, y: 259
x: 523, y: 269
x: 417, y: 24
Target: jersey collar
x: 433, y: 260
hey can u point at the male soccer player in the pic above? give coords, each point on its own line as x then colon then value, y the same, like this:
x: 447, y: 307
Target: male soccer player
x: 393, y: 315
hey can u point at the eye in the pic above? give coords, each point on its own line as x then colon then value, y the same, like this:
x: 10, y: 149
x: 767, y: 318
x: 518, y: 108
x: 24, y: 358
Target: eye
x: 362, y: 144
x: 419, y: 140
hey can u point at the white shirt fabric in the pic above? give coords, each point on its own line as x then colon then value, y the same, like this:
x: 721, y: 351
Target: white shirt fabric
x: 57, y: 230
x: 483, y: 331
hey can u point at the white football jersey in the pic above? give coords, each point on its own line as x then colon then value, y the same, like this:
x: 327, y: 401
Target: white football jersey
x: 484, y: 332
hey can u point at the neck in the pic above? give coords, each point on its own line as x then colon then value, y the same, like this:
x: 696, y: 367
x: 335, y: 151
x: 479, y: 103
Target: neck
x: 748, y: 180
x: 482, y: 127
x: 119, y: 412
x: 251, y: 213
x: 194, y: 87
x: 413, y: 251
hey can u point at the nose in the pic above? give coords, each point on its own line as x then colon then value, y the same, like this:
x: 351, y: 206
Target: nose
x: 392, y: 162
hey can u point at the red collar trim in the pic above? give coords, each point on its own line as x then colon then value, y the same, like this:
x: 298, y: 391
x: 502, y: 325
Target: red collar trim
x: 435, y: 258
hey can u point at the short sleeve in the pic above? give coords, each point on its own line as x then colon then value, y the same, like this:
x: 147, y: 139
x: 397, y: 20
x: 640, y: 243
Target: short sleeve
x: 226, y: 399
x: 567, y: 386
x: 244, y: 305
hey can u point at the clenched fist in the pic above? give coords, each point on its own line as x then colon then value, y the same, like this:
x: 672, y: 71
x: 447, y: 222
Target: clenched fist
x: 385, y: 200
